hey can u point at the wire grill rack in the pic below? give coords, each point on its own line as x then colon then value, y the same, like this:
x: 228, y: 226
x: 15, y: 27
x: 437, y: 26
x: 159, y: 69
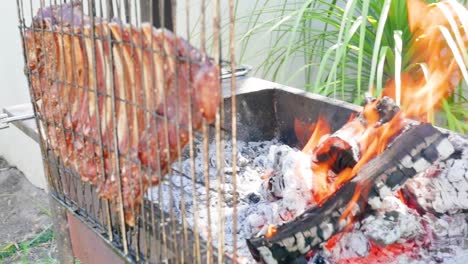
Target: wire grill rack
x: 156, y: 235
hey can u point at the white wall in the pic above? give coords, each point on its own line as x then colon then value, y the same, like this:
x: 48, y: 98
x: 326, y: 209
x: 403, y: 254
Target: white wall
x: 255, y: 53
x: 16, y: 147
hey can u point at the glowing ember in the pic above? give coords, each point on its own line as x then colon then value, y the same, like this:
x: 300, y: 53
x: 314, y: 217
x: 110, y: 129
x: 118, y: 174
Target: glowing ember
x: 270, y: 231
x: 379, y: 254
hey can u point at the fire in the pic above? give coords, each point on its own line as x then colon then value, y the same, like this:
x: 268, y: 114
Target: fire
x: 371, y: 136
x: 424, y: 87
x: 377, y: 253
x: 311, y: 133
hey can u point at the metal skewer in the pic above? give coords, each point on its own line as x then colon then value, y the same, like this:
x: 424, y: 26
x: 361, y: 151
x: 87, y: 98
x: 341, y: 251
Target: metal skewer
x: 5, y: 120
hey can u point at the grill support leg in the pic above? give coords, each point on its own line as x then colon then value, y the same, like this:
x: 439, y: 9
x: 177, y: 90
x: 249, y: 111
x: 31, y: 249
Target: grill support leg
x: 64, y: 250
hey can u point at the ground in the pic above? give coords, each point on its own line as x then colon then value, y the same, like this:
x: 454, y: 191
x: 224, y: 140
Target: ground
x: 26, y: 234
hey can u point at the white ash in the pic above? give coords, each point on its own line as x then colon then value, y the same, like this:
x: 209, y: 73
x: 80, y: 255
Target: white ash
x: 352, y: 244
x: 450, y: 255
x: 444, y: 187
x: 289, y: 179
x: 445, y: 241
x: 446, y: 230
x: 393, y: 222
x: 255, y: 209
x: 439, y: 230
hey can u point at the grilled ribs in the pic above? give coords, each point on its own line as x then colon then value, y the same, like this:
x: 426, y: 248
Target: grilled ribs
x: 134, y: 90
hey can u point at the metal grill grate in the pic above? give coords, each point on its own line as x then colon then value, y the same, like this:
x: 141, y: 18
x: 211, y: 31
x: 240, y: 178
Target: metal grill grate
x: 83, y: 57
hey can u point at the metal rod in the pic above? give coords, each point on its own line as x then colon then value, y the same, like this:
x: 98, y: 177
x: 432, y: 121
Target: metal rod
x: 58, y: 186
x: 218, y: 135
x: 196, y: 245
x: 116, y: 141
x: 166, y: 133
x: 105, y: 102
x: 206, y: 173
x: 91, y: 8
x: 146, y: 123
x: 131, y: 79
x: 173, y: 19
x: 166, y: 8
x: 209, y: 257
x: 5, y: 120
x: 233, y: 124
x: 155, y: 229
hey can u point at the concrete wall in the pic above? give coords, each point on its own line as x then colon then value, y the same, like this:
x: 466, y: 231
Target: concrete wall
x: 17, y: 148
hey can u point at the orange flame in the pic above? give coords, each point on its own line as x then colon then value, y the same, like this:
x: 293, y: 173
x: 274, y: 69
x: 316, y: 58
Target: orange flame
x: 400, y: 196
x: 372, y: 139
x: 424, y: 87
x: 423, y: 90
x: 309, y: 135
x: 321, y: 128
x: 270, y: 231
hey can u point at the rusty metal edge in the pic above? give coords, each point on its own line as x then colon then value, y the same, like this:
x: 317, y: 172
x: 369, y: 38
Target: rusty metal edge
x: 113, y: 247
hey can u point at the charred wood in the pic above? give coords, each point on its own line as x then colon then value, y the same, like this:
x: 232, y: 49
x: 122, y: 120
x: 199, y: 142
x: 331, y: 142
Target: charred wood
x: 412, y: 152
x: 342, y: 149
x: 443, y: 188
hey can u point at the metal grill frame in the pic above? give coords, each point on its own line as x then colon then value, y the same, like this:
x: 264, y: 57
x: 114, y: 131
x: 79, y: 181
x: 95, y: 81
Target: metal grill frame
x: 137, y: 244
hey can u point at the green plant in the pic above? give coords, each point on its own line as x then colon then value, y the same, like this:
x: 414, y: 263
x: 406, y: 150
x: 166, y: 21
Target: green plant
x: 344, y: 49
x: 10, y: 249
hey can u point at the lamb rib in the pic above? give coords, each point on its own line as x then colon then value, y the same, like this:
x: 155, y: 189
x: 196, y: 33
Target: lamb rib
x: 76, y: 67
x: 410, y: 153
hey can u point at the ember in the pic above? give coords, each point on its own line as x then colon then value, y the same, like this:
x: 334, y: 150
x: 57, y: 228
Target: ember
x: 392, y: 230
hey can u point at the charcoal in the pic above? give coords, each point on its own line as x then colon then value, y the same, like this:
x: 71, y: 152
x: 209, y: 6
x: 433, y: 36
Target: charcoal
x: 317, y: 224
x: 443, y: 188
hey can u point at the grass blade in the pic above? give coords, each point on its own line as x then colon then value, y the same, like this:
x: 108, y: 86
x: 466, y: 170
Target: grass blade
x: 397, y: 34
x: 362, y: 35
x: 380, y: 69
x: 378, y: 40
x: 453, y: 25
x: 456, y: 53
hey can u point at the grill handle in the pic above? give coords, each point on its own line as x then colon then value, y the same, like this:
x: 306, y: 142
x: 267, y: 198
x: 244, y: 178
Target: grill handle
x: 6, y: 119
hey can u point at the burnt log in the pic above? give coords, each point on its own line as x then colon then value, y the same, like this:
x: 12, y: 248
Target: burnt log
x: 411, y: 153
x: 341, y: 150
x: 444, y: 187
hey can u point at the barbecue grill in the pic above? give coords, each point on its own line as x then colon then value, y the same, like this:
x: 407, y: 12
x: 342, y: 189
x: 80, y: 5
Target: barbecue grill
x: 139, y: 131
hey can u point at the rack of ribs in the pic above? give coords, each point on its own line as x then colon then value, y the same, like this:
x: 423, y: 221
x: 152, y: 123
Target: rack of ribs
x: 115, y: 99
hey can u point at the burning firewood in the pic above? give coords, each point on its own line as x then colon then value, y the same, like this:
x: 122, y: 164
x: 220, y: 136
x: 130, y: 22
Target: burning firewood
x: 342, y: 149
x: 410, y: 153
x: 338, y: 157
